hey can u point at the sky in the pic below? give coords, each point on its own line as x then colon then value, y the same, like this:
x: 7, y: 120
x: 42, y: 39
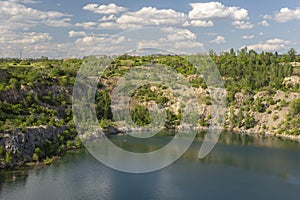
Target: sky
x: 76, y: 28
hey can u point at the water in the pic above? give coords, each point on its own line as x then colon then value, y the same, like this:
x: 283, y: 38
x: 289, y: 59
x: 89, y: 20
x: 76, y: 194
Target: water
x: 239, y: 167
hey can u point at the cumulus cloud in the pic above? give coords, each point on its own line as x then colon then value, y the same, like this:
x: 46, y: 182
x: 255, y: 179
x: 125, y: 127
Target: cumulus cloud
x: 199, y: 23
x: 285, y: 15
x: 278, y: 41
x: 89, y: 40
x: 203, y: 14
x: 24, y: 38
x: 247, y: 37
x: 218, y: 40
x: 216, y: 10
x: 76, y: 33
x: 104, y: 9
x: 264, y: 23
x: 114, y: 25
x: 175, y: 34
x: 86, y: 25
x: 152, y: 16
x: 270, y: 45
x: 267, y: 17
x: 107, y: 18
x: 17, y: 16
x: 242, y: 25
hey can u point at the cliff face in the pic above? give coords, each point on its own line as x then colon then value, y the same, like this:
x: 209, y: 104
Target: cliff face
x: 22, y: 144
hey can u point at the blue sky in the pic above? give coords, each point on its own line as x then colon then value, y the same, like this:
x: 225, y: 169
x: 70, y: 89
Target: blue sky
x: 63, y: 28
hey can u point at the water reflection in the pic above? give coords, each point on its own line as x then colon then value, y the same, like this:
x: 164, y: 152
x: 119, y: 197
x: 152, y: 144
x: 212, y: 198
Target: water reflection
x: 239, y: 167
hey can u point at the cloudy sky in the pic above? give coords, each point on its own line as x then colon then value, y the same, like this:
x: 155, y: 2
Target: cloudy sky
x: 61, y: 28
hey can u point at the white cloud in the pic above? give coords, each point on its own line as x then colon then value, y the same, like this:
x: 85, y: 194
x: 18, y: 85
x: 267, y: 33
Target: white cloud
x: 216, y: 10
x: 24, y: 1
x: 152, y: 16
x: 24, y: 38
x: 175, y: 34
x: 107, y: 18
x: 218, y: 40
x: 270, y: 45
x: 278, y: 41
x: 76, y: 33
x: 264, y: 23
x: 248, y: 37
x: 207, y: 13
x: 267, y: 17
x: 174, y: 40
x: 86, y: 25
x: 104, y: 9
x: 89, y: 40
x: 242, y: 25
x: 199, y: 23
x: 285, y: 15
x: 17, y: 16
x: 114, y: 25
x: 176, y: 46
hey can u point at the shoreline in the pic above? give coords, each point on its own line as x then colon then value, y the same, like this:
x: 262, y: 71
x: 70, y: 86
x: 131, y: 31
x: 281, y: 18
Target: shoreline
x: 44, y: 163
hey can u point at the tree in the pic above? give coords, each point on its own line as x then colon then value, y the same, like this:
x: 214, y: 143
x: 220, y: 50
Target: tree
x: 295, y: 107
x: 249, y: 121
x: 292, y: 54
x: 240, y: 118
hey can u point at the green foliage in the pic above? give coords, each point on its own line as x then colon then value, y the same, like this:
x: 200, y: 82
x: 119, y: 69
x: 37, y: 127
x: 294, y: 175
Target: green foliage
x: 70, y: 144
x: 140, y: 116
x: 77, y: 142
x: 8, y: 157
x: 48, y: 161
x: 259, y: 106
x: 50, y: 148
x: 240, y: 118
x: 249, y: 121
x: 251, y: 71
x: 295, y: 107
x: 103, y: 103
x: 35, y: 157
x: 203, y: 122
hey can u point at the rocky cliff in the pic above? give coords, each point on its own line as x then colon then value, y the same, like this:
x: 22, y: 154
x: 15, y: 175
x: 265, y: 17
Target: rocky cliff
x: 21, y: 145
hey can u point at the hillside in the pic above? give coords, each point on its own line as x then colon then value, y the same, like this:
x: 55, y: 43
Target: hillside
x: 36, y: 121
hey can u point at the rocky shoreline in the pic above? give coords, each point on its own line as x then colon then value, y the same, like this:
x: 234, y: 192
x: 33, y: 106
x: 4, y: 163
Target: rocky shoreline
x: 22, y: 144
x: 19, y: 147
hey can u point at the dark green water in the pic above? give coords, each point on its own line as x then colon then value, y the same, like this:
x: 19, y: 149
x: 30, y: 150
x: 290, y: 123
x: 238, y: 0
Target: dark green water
x: 239, y: 167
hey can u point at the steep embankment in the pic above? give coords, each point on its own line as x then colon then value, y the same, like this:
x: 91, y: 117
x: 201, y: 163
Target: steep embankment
x: 36, y: 120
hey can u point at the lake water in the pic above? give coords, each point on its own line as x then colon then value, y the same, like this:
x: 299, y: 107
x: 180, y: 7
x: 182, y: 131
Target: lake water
x: 239, y: 167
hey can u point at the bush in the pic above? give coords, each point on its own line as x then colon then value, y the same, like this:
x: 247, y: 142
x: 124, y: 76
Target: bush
x: 35, y: 157
x: 8, y: 157
x: 48, y: 161
x: 295, y: 107
x: 275, y: 117
x: 69, y: 144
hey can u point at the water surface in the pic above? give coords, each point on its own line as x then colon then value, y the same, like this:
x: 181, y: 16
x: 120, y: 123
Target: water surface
x: 239, y: 167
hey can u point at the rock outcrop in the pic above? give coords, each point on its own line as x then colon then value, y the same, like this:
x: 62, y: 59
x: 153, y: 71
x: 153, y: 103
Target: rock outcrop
x: 22, y: 144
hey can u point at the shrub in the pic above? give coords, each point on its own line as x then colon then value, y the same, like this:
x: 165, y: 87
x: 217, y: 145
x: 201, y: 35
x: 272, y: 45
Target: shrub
x: 295, y: 107
x: 35, y: 157
x: 8, y: 157
x: 48, y: 161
